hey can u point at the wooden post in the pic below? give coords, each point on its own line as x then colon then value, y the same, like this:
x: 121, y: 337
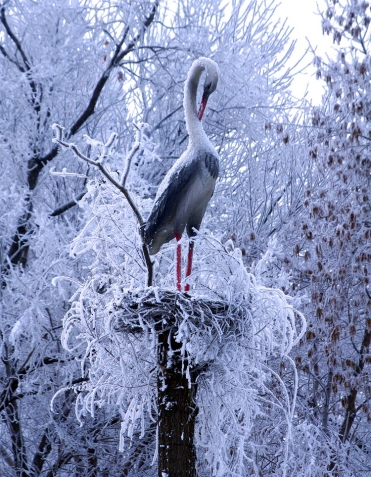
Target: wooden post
x: 176, y: 411
x: 163, y: 311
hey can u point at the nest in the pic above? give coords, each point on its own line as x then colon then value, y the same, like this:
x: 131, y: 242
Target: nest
x: 162, y: 310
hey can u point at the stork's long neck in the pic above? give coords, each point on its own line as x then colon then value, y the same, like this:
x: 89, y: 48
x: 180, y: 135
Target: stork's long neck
x: 197, y: 136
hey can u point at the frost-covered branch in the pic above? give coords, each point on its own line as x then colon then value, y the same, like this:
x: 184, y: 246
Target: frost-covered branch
x: 118, y: 55
x: 68, y: 205
x: 98, y: 163
x: 221, y: 338
x: 15, y: 40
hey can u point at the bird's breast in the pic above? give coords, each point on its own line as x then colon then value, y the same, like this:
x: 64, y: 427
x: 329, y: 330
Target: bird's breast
x: 205, y: 175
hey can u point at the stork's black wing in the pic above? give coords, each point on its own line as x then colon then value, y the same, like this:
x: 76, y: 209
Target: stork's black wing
x: 159, y: 227
x: 183, y: 196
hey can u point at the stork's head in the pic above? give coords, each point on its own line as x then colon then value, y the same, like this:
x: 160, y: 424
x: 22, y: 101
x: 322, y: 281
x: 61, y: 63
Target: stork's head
x: 211, y: 80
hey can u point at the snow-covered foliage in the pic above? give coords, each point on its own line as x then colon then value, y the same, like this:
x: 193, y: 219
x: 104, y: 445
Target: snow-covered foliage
x: 99, y: 67
x: 329, y: 257
x: 118, y: 347
x: 52, y: 55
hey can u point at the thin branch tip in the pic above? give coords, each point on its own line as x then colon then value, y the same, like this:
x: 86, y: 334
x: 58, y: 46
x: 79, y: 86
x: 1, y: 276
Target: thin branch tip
x: 59, y: 131
x: 111, y: 139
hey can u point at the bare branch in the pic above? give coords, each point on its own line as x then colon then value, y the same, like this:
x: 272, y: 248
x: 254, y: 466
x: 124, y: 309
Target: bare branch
x: 27, y: 65
x: 121, y: 187
x: 134, y: 150
x: 14, y: 39
x: 117, y: 57
x: 63, y: 208
x: 98, y: 163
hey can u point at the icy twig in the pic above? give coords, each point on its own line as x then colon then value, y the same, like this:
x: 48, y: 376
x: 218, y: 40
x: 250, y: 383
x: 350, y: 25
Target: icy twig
x: 59, y: 139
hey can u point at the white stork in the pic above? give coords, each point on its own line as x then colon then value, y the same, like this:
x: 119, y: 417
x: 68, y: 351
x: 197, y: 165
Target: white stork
x: 185, y: 191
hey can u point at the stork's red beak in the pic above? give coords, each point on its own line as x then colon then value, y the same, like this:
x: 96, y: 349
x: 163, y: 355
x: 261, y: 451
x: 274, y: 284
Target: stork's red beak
x: 202, y: 106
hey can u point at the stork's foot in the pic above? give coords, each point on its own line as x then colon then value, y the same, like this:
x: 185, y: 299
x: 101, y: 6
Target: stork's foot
x: 178, y: 261
x: 189, y: 264
x: 178, y: 269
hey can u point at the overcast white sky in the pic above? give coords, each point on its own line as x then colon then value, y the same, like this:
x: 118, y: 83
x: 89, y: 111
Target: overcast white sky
x: 303, y: 17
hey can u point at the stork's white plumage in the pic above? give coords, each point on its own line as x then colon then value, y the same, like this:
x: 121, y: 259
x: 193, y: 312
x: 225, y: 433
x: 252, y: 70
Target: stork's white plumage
x: 184, y: 193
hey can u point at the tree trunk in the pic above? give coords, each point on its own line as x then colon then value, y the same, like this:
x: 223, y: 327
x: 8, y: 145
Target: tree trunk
x: 176, y: 411
x: 164, y: 311
x: 12, y: 419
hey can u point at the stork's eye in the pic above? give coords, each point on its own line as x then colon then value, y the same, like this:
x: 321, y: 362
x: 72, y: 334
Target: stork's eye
x: 207, y: 87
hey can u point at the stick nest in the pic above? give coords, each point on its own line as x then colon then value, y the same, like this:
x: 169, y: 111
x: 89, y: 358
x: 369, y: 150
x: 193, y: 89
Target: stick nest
x: 161, y: 310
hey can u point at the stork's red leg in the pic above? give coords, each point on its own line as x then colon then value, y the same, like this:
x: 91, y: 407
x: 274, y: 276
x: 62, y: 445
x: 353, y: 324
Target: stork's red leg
x: 189, y: 264
x: 178, y: 272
